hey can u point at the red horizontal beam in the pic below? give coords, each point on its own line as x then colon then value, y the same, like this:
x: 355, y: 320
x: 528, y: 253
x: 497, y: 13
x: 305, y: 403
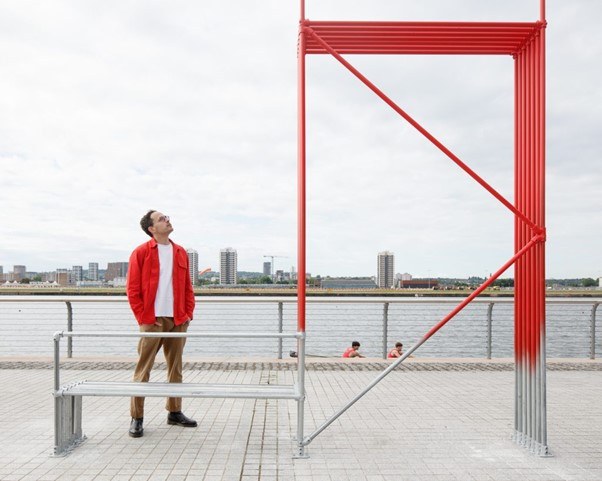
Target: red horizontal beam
x: 358, y: 23
x: 415, y: 50
x: 420, y: 37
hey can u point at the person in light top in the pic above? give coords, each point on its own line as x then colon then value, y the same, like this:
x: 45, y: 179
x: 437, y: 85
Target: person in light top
x: 353, y: 351
x: 161, y: 297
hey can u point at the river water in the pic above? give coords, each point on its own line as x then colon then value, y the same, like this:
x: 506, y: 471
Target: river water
x: 27, y: 328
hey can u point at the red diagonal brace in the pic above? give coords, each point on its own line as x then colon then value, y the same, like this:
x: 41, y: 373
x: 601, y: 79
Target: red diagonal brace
x: 534, y: 240
x: 421, y: 129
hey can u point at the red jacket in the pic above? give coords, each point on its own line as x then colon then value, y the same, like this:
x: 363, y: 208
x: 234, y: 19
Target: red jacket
x: 143, y: 281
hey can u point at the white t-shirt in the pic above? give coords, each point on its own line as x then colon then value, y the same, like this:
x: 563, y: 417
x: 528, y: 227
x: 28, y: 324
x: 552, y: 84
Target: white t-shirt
x: 164, y: 299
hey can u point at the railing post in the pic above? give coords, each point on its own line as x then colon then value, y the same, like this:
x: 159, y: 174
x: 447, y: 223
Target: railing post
x: 385, y: 329
x: 592, y: 331
x: 57, y: 385
x: 280, y: 322
x: 489, y: 327
x: 69, y: 329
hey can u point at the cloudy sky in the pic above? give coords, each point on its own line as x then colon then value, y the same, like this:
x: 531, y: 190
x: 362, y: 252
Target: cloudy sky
x: 111, y: 108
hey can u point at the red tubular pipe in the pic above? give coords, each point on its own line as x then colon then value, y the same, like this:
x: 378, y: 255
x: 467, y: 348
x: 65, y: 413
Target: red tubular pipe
x: 516, y: 224
x: 536, y: 202
x: 301, y: 192
x: 421, y: 129
x: 533, y: 208
x: 521, y: 292
x: 414, y: 51
x: 542, y: 140
x: 529, y: 203
x: 419, y: 34
x: 427, y: 24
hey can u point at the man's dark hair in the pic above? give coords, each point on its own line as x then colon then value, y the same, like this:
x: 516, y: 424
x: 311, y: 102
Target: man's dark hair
x: 147, y: 222
x: 398, y: 344
x: 355, y: 344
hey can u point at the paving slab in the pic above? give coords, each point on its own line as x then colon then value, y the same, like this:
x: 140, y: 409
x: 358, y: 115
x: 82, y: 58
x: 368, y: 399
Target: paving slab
x: 418, y: 424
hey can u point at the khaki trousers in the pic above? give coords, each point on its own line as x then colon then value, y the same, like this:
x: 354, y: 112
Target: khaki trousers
x: 148, y: 347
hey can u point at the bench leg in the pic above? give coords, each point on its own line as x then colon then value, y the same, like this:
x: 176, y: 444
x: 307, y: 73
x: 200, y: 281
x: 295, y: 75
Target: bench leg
x: 67, y: 424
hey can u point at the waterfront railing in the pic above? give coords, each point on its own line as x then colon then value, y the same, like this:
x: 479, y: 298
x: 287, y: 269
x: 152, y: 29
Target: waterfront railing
x: 483, y: 330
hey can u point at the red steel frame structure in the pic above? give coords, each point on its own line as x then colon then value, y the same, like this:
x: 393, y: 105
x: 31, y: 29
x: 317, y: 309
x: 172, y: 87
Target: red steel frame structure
x: 525, y: 42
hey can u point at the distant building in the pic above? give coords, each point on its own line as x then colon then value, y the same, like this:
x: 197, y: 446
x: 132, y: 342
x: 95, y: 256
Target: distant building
x: 386, y: 269
x: 348, y: 284
x: 228, y: 266
x: 267, y: 268
x: 193, y: 265
x: 93, y: 271
x: 421, y: 284
x: 279, y: 275
x: 90, y: 284
x: 19, y: 273
x: 119, y: 282
x: 62, y: 277
x: 293, y: 274
x: 116, y: 269
x: 402, y: 279
x: 77, y: 274
x: 1, y: 269
x: 600, y: 282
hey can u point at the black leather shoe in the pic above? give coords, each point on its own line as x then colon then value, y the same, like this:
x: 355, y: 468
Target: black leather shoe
x: 136, y: 429
x: 179, y: 419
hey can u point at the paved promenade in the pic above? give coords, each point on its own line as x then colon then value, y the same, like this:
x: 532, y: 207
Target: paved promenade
x: 437, y: 420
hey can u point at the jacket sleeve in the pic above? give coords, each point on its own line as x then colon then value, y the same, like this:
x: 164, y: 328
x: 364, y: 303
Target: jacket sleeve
x: 189, y: 293
x: 134, y: 288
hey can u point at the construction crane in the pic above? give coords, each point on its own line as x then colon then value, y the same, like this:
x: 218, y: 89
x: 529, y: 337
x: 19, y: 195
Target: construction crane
x: 272, y: 264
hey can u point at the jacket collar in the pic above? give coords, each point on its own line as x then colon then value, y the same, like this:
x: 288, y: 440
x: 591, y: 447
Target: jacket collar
x: 153, y: 243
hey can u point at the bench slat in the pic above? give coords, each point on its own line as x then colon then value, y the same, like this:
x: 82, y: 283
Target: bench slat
x: 165, y: 389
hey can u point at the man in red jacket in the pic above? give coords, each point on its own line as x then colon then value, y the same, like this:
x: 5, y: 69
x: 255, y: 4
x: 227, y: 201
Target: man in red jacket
x: 162, y: 299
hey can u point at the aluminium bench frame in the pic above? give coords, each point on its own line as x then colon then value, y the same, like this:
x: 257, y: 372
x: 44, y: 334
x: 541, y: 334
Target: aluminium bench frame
x: 68, y: 414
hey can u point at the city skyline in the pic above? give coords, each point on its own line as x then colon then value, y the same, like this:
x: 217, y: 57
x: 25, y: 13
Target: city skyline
x: 89, y: 146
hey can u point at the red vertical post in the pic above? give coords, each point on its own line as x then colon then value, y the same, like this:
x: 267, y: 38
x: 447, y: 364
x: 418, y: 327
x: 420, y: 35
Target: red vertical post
x: 530, y: 401
x: 301, y: 196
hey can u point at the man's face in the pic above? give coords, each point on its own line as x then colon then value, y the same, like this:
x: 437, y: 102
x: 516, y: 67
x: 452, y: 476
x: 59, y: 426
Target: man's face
x: 161, y: 224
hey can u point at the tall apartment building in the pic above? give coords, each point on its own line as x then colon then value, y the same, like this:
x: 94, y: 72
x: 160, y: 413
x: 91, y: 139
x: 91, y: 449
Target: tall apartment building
x: 77, y: 274
x: 386, y: 267
x: 1, y: 269
x: 193, y: 265
x: 19, y: 272
x: 93, y: 271
x: 267, y: 268
x: 228, y: 265
x: 116, y: 269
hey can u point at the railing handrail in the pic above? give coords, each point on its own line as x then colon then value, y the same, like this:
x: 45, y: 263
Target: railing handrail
x: 245, y: 334
x: 293, y: 299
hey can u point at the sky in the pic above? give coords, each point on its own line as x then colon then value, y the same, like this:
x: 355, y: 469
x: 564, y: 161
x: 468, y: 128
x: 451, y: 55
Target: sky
x: 112, y: 108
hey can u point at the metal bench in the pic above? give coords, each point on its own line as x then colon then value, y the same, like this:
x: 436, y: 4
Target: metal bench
x: 68, y: 398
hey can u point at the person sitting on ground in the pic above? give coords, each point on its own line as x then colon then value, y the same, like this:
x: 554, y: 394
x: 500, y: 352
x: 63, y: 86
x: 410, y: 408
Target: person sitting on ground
x: 353, y: 350
x: 396, y: 351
